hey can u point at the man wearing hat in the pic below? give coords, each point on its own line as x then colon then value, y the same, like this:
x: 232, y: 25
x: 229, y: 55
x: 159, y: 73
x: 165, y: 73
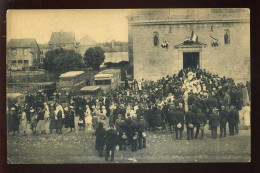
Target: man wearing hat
x: 172, y: 118
x: 141, y: 125
x: 214, y: 122
x: 189, y: 119
x: 233, y: 120
x: 200, y: 122
x: 180, y: 122
x: 223, y: 115
x: 110, y: 141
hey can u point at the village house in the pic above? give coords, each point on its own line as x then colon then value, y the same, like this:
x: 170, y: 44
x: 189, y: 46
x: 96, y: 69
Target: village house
x: 65, y: 40
x: 85, y: 43
x: 23, y: 54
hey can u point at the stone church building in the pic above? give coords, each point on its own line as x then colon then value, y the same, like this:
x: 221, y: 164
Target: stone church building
x: 163, y: 41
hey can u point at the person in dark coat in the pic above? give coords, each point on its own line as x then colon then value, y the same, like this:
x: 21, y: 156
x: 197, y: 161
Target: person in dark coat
x: 11, y: 120
x: 52, y: 119
x: 223, y: 115
x: 110, y: 141
x: 81, y: 122
x: 100, y: 138
x: 58, y: 122
x: 34, y: 121
x: 41, y: 121
x: 157, y: 117
x: 71, y: 121
x: 149, y: 117
x: 214, y: 123
x: 180, y: 123
x: 171, y: 116
x: 67, y: 119
x: 189, y: 119
x: 200, y: 122
x: 121, y: 127
x: 141, y: 126
x: 134, y: 134
x: 233, y: 119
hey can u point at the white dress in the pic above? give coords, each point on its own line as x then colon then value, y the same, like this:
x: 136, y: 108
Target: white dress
x: 186, y: 106
x: 46, y: 118
x: 246, y: 114
x: 88, y: 120
x: 23, y: 125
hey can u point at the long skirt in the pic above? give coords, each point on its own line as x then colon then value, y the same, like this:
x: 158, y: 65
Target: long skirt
x: 41, y: 125
x: 76, y: 121
x: 52, y: 124
x: 47, y: 125
x: 72, y: 123
x: 23, y: 125
x: 59, y: 124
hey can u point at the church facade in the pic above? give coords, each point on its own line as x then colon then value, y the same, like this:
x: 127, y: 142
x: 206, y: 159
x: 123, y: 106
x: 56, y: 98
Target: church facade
x: 164, y: 41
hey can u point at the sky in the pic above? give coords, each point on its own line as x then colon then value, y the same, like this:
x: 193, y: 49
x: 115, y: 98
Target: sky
x: 102, y: 25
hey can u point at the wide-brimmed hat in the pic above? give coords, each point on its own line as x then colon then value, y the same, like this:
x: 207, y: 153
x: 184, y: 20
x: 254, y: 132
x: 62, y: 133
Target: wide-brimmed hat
x: 179, y: 125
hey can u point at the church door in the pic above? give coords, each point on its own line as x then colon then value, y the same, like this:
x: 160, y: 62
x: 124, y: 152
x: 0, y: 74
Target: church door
x: 191, y: 60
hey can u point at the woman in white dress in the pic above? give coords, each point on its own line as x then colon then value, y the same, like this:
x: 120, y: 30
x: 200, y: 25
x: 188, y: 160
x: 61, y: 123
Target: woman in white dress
x: 186, y: 96
x: 88, y: 118
x: 103, y: 118
x: 46, y: 117
x: 246, y: 115
x: 245, y: 96
x: 23, y: 123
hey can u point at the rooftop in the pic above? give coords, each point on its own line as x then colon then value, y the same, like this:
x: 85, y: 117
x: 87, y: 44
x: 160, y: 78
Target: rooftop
x: 13, y: 95
x: 62, y: 37
x: 90, y: 88
x: 22, y: 43
x: 188, y: 15
x: 103, y: 75
x: 71, y: 74
x: 87, y: 41
x: 109, y: 71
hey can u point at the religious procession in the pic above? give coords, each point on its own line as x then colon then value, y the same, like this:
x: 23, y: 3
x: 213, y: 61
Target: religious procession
x: 185, y: 102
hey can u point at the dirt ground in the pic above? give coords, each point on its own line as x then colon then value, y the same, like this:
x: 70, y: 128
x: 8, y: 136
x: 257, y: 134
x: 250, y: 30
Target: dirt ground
x: 162, y: 147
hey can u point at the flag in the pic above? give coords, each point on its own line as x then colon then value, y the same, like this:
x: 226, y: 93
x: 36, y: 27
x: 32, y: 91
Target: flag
x: 193, y: 37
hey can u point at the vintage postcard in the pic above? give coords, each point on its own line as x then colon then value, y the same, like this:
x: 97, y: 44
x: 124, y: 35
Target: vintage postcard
x: 128, y: 86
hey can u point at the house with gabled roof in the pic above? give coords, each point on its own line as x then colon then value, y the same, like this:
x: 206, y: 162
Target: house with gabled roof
x: 65, y: 40
x: 22, y: 54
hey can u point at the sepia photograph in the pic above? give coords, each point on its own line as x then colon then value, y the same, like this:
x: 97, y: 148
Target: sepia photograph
x: 112, y: 86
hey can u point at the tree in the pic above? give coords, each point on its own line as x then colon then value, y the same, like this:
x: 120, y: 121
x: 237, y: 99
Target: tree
x: 94, y: 57
x: 59, y: 61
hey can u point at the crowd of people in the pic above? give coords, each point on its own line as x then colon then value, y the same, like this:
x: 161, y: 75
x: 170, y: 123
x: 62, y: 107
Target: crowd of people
x: 191, y: 99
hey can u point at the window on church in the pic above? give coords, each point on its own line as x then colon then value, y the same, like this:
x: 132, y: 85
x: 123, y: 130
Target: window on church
x: 156, y: 39
x: 170, y: 29
x: 227, y: 36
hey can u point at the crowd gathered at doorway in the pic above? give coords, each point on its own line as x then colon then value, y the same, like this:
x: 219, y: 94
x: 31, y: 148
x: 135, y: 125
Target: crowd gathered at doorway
x: 187, y: 101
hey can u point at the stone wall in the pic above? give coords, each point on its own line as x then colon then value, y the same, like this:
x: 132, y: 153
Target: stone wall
x: 153, y: 62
